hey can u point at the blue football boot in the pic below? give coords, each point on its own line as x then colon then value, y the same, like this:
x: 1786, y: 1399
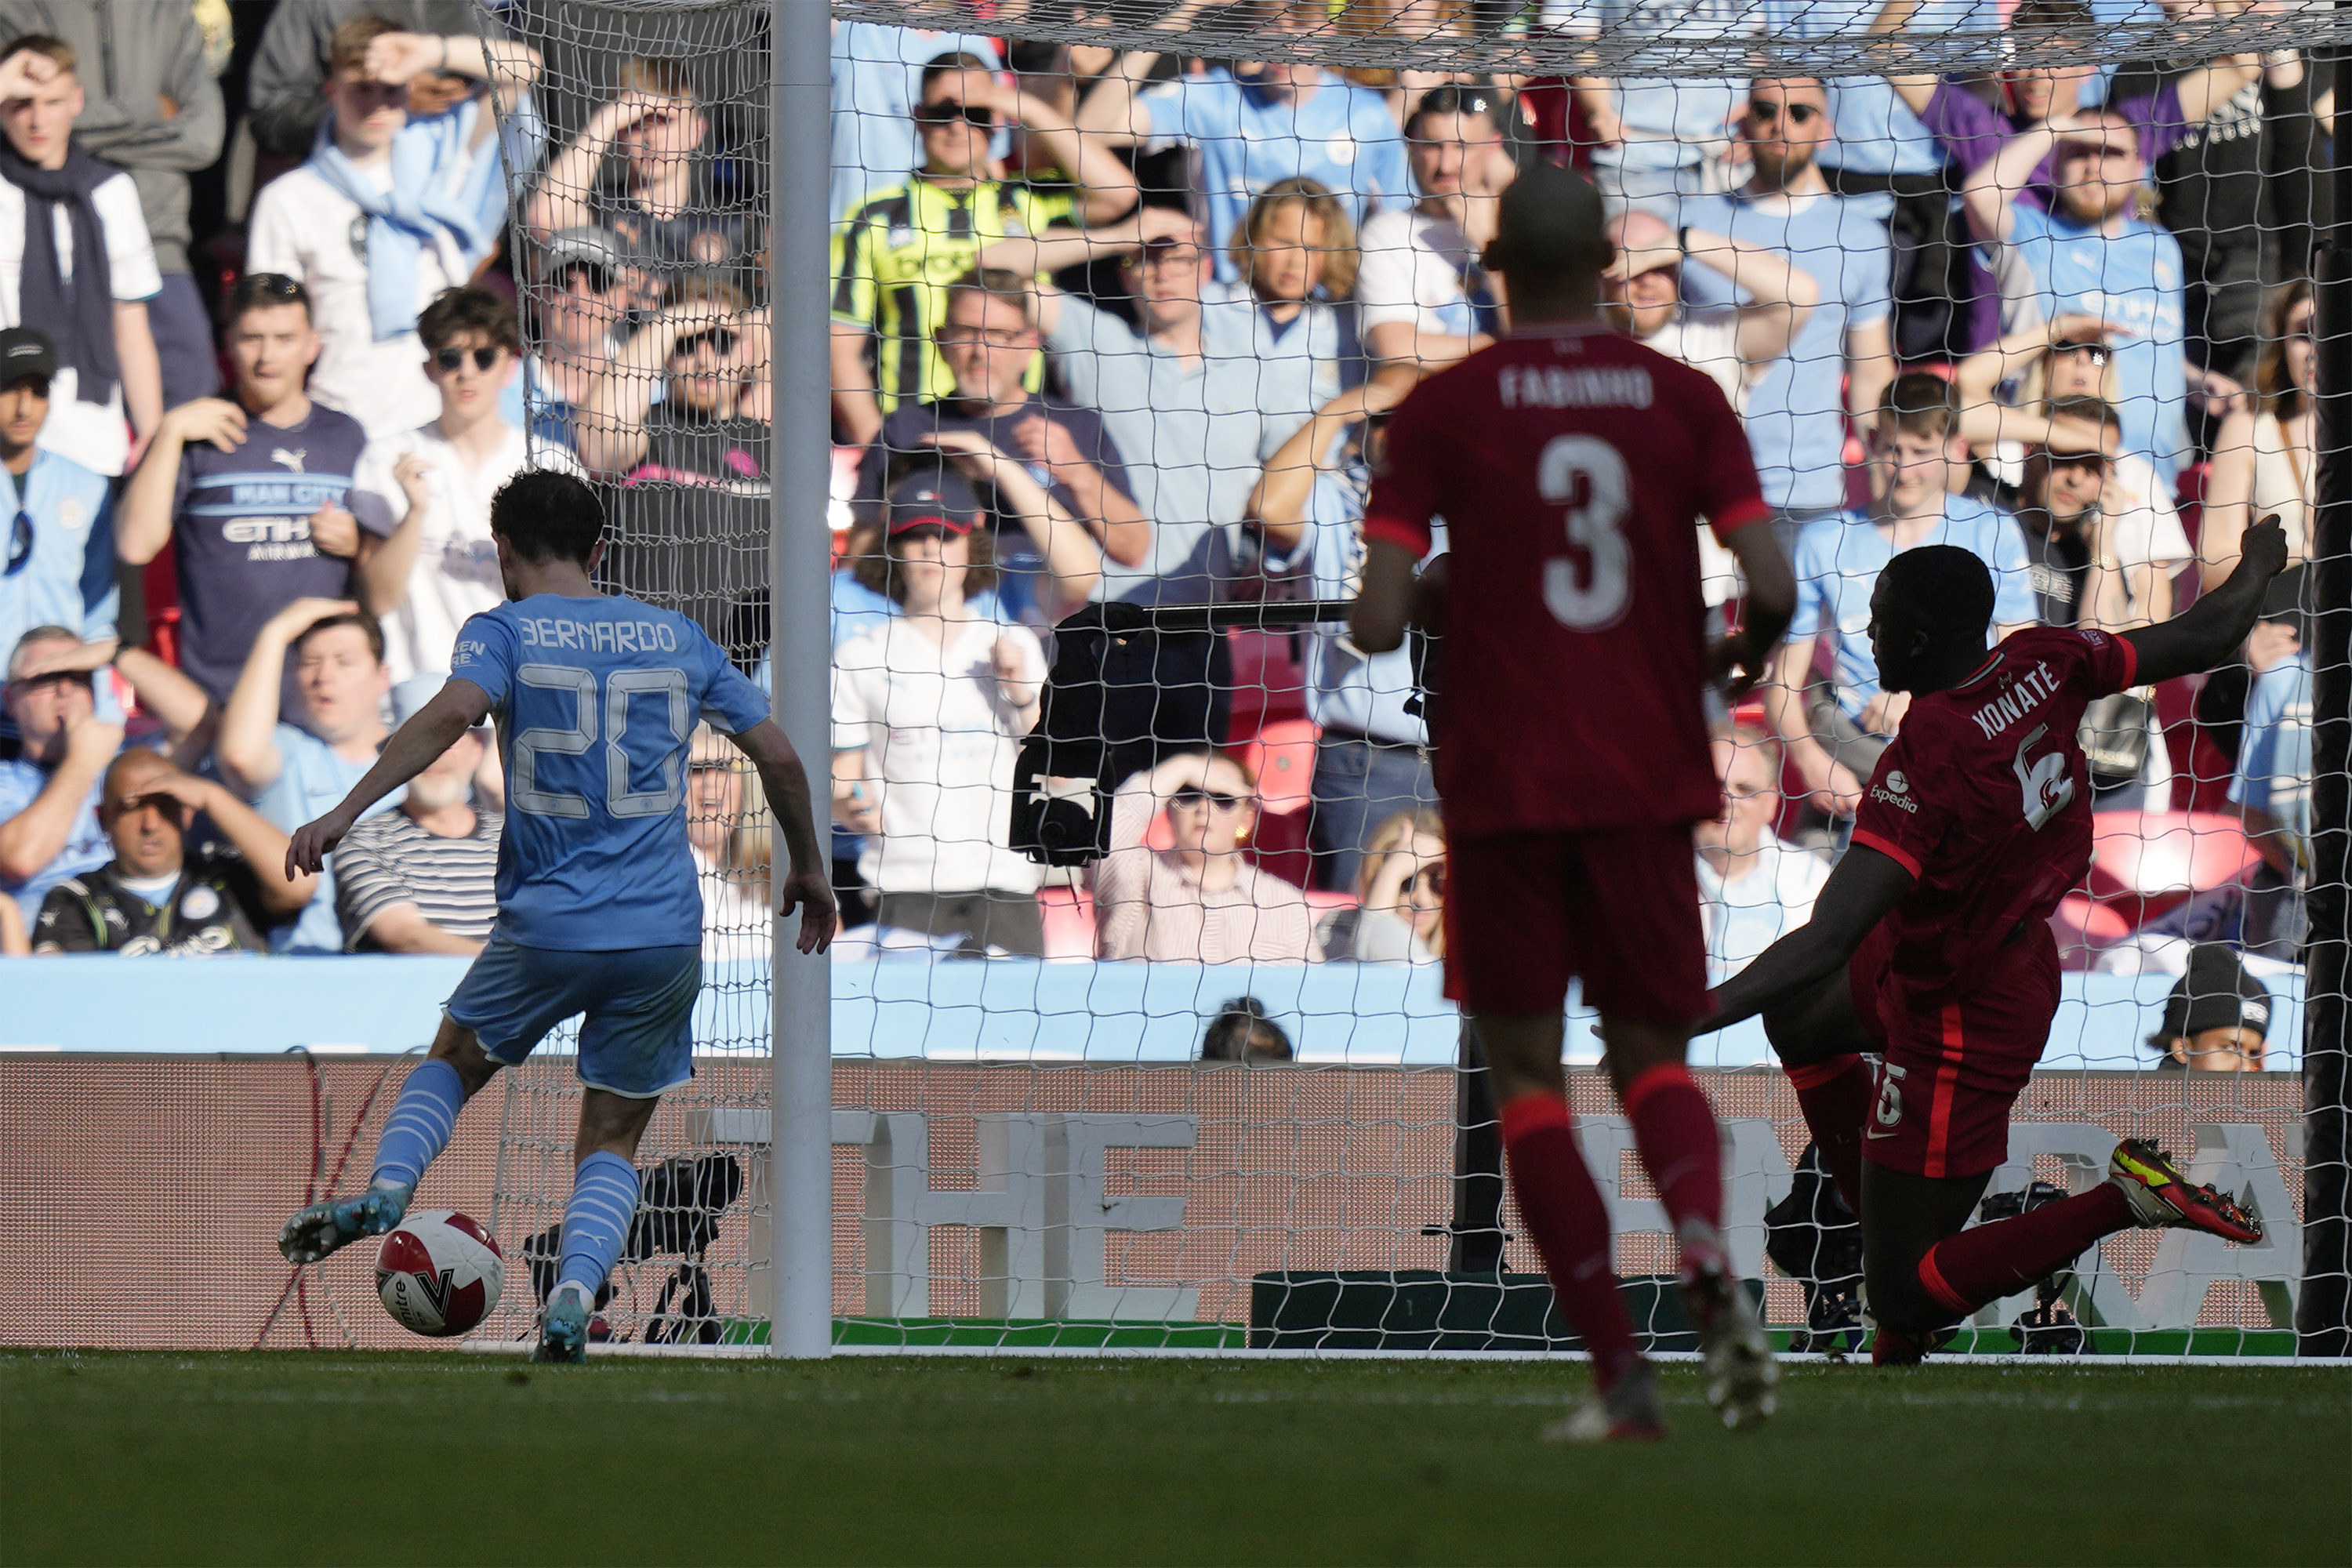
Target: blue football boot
x: 328, y: 1228
x: 563, y: 1328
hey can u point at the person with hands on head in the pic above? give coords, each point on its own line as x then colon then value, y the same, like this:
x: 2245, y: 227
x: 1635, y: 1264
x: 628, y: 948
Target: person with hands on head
x: 1200, y: 900
x: 424, y: 495
x: 1930, y: 944
x: 690, y: 353
x: 663, y: 212
x: 49, y: 790
x: 290, y: 770
x: 76, y: 260
x: 289, y: 90
x: 600, y: 911
x: 1421, y: 295
x: 248, y: 490
x: 161, y: 893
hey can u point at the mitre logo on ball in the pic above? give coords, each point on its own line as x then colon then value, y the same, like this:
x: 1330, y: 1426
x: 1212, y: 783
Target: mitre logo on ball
x: 439, y: 1273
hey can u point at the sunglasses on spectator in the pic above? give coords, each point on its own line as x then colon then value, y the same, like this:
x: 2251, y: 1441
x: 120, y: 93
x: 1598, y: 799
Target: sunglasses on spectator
x: 976, y: 114
x: 1020, y: 340
x: 2076, y: 460
x: 1798, y: 113
x: 450, y: 359
x: 1192, y: 795
x: 598, y: 278
x: 719, y: 341
x: 1430, y: 879
x: 2099, y: 352
x: 29, y: 684
x: 20, y: 543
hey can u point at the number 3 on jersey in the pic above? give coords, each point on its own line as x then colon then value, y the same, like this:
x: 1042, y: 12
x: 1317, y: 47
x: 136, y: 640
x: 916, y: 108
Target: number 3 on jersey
x: 531, y: 745
x: 1587, y: 475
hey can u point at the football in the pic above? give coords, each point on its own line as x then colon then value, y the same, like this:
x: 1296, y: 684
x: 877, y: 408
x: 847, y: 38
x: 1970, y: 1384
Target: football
x: 439, y: 1273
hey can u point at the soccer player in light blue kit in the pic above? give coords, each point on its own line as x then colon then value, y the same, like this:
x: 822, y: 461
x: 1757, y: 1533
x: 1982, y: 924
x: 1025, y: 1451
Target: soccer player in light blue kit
x: 599, y: 910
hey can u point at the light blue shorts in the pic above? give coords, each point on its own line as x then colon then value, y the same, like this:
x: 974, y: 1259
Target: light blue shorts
x: 638, y: 1036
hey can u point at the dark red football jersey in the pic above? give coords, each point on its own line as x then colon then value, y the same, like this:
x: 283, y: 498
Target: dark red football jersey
x: 1985, y: 798
x: 1570, y: 466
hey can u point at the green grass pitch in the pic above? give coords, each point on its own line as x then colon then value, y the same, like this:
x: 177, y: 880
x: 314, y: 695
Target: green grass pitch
x: 334, y: 1457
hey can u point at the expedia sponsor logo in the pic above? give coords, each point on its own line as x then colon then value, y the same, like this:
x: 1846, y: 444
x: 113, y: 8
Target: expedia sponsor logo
x: 1899, y: 802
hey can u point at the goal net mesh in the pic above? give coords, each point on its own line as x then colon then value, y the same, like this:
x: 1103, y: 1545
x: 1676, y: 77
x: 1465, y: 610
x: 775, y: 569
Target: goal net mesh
x: 1121, y: 292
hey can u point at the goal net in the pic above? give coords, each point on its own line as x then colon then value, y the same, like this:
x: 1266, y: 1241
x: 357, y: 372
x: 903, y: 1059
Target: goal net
x: 1138, y: 1034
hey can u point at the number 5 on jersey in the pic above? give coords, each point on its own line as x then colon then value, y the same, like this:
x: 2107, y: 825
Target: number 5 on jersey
x: 1587, y: 475
x: 531, y: 745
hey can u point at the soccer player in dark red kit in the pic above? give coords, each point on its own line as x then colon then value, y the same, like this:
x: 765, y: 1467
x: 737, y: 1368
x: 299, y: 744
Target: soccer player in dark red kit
x: 1931, y: 945
x: 1572, y: 466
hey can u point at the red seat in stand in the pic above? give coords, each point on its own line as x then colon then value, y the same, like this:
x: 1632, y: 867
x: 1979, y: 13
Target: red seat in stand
x: 2084, y: 929
x: 1069, y: 918
x: 1282, y: 759
x: 2144, y: 863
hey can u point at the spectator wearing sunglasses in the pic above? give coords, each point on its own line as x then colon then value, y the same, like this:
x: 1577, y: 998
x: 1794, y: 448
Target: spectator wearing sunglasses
x: 58, y: 563
x: 2097, y: 560
x: 424, y: 496
x: 582, y: 305
x: 62, y: 699
x: 662, y: 208
x: 878, y: 80
x: 1198, y: 899
x: 894, y: 256
x: 1839, y: 358
x: 248, y: 490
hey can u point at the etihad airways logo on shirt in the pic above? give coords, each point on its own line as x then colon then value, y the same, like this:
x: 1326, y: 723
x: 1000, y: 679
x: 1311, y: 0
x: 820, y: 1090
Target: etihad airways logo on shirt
x: 2021, y: 699
x: 1559, y: 386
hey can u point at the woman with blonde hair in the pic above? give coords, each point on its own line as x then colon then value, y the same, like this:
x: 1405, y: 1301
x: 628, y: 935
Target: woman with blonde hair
x: 1296, y: 254
x: 1199, y: 900
x: 2265, y: 460
x: 1400, y: 914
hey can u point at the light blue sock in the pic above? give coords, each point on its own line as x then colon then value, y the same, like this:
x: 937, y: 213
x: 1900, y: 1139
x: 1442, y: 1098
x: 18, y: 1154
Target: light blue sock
x: 596, y: 1220
x: 418, y: 1128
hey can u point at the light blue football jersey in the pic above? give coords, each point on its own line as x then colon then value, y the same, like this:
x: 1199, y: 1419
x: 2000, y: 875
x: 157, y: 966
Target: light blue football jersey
x: 596, y: 702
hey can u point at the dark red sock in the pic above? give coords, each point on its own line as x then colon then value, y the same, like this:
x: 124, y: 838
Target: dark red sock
x: 1967, y: 1270
x: 1836, y: 1097
x: 1675, y: 1131
x: 1571, y: 1225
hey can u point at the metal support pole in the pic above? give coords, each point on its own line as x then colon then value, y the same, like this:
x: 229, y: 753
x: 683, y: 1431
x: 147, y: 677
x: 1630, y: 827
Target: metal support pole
x: 2324, y: 1311
x: 801, y: 649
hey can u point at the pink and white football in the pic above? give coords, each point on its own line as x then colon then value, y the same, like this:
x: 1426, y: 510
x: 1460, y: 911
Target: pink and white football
x: 439, y: 1273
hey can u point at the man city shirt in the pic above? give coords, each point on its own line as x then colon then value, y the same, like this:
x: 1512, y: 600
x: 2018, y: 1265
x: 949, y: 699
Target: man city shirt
x: 241, y: 526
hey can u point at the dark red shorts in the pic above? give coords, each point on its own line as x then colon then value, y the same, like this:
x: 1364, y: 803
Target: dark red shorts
x: 1952, y: 1069
x: 1524, y: 911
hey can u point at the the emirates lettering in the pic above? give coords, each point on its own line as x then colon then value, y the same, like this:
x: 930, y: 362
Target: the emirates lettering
x: 1559, y: 386
x: 2021, y: 698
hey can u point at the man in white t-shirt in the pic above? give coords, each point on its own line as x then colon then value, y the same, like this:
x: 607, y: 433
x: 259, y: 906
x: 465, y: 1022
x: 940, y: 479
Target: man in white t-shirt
x: 929, y: 708
x: 1754, y: 887
x: 426, y: 493
x: 94, y: 234
x: 305, y: 226
x: 1421, y: 289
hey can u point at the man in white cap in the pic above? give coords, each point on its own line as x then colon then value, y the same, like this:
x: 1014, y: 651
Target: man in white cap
x: 423, y: 877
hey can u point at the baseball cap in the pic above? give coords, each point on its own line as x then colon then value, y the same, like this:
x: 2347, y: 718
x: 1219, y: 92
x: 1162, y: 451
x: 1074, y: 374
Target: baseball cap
x: 23, y: 352
x: 941, y: 500
x: 2215, y: 994
x: 585, y: 242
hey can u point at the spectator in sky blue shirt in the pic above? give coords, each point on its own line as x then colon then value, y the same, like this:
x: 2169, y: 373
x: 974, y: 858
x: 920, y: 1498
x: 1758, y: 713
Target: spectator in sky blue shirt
x: 2272, y: 782
x: 1308, y: 507
x: 1657, y: 138
x: 293, y: 774
x: 1256, y: 123
x: 56, y: 565
x: 1795, y: 414
x: 1835, y: 735
x: 2088, y: 255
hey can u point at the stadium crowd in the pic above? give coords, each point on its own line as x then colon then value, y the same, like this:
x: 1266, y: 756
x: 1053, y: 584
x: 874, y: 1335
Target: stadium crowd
x: 1107, y: 326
